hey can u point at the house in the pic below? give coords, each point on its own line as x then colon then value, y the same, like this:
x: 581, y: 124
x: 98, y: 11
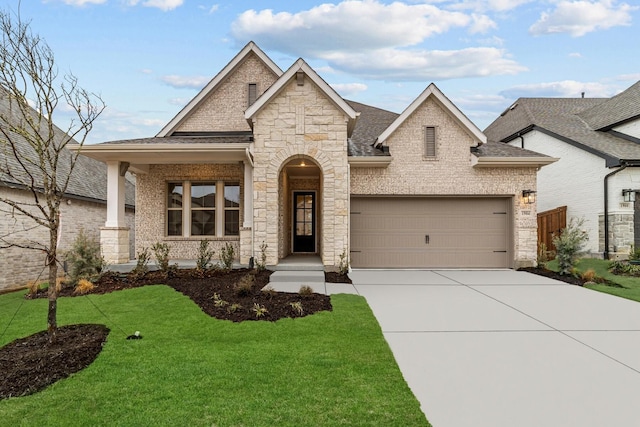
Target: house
x: 597, y: 177
x: 265, y: 156
x: 83, y: 207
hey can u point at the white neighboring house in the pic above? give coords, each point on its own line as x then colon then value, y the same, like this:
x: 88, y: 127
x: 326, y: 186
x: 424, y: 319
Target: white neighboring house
x: 83, y: 207
x: 598, y: 175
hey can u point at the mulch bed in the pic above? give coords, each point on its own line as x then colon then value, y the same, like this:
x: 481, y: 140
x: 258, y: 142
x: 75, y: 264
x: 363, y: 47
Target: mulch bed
x: 335, y: 277
x: 30, y: 364
x: 579, y: 281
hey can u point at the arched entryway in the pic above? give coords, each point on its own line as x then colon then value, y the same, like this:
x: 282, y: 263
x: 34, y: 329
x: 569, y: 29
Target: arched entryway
x: 300, y: 207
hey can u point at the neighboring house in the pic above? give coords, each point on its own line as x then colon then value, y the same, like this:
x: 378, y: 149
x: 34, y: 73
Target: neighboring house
x: 597, y: 176
x: 83, y: 207
x: 266, y: 156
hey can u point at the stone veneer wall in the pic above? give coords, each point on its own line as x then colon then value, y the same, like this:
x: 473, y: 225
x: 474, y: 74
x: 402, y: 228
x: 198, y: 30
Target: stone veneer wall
x: 450, y: 173
x: 621, y: 234
x: 19, y: 266
x: 151, y: 199
x: 223, y: 109
x: 320, y: 134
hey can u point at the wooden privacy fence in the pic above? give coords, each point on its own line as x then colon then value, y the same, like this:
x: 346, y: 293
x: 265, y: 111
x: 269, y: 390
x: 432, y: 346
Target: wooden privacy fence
x: 550, y: 223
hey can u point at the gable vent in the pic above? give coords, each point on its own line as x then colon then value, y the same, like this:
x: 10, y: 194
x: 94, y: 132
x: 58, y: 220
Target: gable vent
x: 253, y: 93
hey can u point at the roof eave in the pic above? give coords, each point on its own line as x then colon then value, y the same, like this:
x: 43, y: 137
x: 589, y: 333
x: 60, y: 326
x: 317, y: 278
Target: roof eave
x: 511, y: 162
x: 369, y: 161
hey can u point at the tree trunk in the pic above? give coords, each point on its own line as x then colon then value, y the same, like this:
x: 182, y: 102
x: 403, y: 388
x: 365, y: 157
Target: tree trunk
x: 52, y: 317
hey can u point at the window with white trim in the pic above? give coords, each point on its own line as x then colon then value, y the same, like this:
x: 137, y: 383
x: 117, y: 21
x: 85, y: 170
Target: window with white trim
x: 430, y: 141
x: 212, y: 208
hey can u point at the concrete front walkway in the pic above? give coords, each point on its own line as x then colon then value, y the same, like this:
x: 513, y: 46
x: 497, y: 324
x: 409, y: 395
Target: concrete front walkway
x: 507, y: 348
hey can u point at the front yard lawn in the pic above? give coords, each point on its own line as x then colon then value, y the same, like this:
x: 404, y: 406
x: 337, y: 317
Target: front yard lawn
x: 331, y: 368
x: 630, y: 286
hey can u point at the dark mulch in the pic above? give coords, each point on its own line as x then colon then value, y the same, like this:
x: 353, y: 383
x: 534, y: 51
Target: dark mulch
x: 579, y: 281
x: 335, y: 277
x: 30, y: 364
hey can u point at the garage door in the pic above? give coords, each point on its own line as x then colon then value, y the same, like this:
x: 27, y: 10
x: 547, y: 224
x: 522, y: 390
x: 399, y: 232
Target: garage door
x: 430, y: 232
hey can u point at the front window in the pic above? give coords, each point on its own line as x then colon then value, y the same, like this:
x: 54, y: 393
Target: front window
x: 214, y: 209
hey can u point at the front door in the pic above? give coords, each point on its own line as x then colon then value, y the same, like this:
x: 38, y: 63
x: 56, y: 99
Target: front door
x: 304, y: 221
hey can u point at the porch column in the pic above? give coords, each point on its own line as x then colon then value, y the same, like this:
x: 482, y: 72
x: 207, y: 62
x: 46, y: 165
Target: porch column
x: 246, y: 231
x: 114, y: 236
x: 248, y: 195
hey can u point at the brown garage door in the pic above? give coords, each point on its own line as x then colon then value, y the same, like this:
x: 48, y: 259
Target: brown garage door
x: 430, y: 232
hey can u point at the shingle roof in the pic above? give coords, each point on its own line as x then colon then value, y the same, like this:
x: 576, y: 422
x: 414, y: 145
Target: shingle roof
x: 620, y: 108
x: 498, y: 149
x: 209, y: 139
x: 371, y: 123
x: 560, y: 117
x: 89, y: 177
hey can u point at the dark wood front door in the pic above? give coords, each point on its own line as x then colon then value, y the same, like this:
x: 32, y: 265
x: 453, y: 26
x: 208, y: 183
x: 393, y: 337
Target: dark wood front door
x: 304, y: 221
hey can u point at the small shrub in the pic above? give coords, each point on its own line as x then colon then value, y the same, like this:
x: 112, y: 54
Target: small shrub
x: 161, y: 252
x: 233, y: 308
x: 297, y: 307
x: 83, y: 287
x: 227, y: 255
x: 204, y: 256
x: 142, y: 262
x: 84, y: 258
x: 634, y: 254
x: 589, y: 275
x: 343, y: 265
x: 244, y: 287
x: 569, y: 245
x: 624, y: 268
x: 33, y: 286
x: 261, y: 264
x: 544, y: 255
x: 259, y: 310
x: 305, y: 290
x: 219, y: 302
x: 269, y: 291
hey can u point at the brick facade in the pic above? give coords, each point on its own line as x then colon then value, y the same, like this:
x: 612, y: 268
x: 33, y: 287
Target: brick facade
x: 20, y: 266
x: 450, y: 173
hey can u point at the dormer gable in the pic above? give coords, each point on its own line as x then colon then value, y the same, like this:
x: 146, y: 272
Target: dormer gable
x: 220, y: 105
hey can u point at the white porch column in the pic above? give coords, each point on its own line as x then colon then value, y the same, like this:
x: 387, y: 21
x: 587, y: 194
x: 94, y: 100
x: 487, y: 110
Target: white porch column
x: 114, y: 236
x: 115, y: 196
x: 248, y: 195
x: 246, y: 231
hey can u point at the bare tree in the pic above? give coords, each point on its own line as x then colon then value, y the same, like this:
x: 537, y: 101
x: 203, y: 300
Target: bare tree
x: 33, y: 154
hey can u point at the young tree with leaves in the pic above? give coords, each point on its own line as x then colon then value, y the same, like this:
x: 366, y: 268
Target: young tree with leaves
x: 33, y: 153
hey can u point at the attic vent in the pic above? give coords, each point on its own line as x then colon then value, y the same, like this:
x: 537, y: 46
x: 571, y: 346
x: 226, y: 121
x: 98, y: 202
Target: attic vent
x: 430, y: 141
x: 253, y: 93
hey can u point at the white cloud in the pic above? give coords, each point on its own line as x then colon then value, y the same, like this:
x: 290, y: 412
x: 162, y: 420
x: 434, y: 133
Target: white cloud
x: 420, y: 65
x: 189, y: 82
x: 560, y: 89
x: 481, y: 24
x: 629, y: 77
x: 345, y: 89
x: 575, y: 55
x: 490, y: 5
x: 179, y: 101
x: 578, y: 18
x: 164, y: 5
x: 146, y: 71
x: 351, y: 25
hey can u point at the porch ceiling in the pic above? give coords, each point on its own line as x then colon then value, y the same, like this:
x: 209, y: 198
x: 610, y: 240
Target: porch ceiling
x: 139, y: 156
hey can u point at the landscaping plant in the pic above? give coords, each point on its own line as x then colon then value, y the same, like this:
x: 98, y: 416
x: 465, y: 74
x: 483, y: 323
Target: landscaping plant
x: 227, y: 255
x: 84, y: 259
x: 161, y: 252
x: 261, y: 264
x: 569, y: 245
x: 204, y: 256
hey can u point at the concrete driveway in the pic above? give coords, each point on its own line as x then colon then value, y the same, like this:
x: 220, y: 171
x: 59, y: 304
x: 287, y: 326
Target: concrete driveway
x: 508, y: 348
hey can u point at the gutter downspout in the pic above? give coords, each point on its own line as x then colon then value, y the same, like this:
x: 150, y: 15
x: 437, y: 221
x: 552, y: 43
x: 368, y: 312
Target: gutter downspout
x: 521, y: 141
x: 606, y: 208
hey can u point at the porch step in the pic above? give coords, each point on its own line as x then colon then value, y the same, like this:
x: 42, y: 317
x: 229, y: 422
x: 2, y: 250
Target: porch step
x: 291, y: 281
x: 311, y: 266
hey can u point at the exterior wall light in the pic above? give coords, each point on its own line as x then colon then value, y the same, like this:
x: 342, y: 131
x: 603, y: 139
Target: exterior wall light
x: 629, y: 195
x: 529, y: 196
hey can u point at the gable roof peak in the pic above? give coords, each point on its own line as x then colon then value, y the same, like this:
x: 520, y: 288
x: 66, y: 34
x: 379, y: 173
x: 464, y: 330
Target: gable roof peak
x: 433, y: 91
x: 249, y: 49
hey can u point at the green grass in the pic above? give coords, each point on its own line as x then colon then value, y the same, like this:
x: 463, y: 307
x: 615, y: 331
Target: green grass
x: 630, y: 285
x: 332, y: 368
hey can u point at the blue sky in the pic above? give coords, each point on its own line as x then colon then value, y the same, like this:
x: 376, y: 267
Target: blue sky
x: 148, y: 58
